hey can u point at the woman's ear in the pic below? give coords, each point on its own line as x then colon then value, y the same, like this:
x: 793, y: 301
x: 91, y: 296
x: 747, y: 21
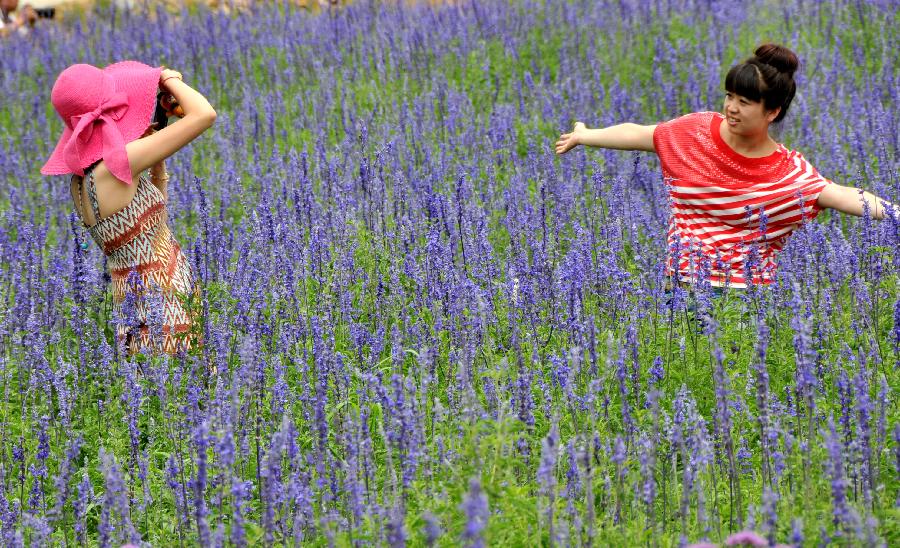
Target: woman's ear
x: 772, y: 114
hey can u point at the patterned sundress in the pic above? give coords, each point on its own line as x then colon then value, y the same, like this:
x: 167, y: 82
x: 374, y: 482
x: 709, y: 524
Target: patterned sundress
x: 151, y: 278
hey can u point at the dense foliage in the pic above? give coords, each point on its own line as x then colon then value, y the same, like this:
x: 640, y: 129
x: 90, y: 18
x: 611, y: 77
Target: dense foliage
x: 422, y: 327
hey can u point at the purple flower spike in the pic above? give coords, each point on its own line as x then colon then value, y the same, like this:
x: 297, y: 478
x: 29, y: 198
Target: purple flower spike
x: 749, y: 538
x: 432, y: 528
x: 475, y: 506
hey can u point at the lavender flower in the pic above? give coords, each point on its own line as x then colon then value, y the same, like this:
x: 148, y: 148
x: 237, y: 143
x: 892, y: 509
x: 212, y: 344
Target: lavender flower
x: 80, y: 505
x: 116, y: 514
x: 843, y: 517
x: 475, y: 507
x: 432, y: 528
x: 746, y: 538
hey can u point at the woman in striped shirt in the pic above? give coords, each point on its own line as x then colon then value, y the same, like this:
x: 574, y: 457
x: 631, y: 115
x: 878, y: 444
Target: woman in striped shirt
x: 736, y: 194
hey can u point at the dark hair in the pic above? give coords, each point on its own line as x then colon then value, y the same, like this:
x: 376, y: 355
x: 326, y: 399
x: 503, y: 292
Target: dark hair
x: 767, y: 76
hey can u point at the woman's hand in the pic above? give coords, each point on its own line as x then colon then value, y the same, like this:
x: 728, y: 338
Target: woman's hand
x: 158, y: 171
x: 168, y: 74
x: 568, y: 141
x: 160, y: 178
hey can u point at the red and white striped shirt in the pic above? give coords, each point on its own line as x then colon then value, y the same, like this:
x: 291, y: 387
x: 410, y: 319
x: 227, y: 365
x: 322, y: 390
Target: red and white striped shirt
x: 711, y: 186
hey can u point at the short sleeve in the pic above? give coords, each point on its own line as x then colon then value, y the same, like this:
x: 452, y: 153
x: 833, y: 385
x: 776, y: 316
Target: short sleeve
x: 667, y: 134
x: 677, y: 143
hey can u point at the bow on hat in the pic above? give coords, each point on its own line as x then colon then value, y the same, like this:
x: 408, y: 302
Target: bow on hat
x: 112, y: 107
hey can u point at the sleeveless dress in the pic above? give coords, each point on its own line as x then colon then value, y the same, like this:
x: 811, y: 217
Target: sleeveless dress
x: 151, y: 278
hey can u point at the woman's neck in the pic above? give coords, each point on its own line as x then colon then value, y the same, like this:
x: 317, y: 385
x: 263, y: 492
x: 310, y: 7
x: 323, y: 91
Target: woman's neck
x: 757, y: 145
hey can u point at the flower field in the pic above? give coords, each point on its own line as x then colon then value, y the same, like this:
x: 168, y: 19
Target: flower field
x: 420, y: 326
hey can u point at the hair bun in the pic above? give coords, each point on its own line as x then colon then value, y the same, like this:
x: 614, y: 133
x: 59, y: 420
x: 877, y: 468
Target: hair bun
x: 779, y: 57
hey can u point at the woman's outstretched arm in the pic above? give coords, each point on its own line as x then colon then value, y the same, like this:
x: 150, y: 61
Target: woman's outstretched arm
x: 626, y: 136
x: 850, y: 200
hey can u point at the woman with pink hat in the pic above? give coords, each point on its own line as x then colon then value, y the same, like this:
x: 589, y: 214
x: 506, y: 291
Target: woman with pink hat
x: 107, y: 144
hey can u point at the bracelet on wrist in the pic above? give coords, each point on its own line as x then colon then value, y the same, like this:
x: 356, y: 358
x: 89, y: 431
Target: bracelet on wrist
x: 167, y: 78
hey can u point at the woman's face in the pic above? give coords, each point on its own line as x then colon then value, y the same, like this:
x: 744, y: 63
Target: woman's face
x: 747, y: 117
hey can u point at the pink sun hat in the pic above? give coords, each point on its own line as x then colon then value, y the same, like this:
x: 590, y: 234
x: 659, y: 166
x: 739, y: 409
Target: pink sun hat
x: 102, y: 110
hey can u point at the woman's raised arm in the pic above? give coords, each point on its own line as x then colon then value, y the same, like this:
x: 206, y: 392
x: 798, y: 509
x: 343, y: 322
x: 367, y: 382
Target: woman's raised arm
x: 199, y: 116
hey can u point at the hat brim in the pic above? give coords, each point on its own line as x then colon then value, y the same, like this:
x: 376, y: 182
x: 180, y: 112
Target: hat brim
x: 140, y: 83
